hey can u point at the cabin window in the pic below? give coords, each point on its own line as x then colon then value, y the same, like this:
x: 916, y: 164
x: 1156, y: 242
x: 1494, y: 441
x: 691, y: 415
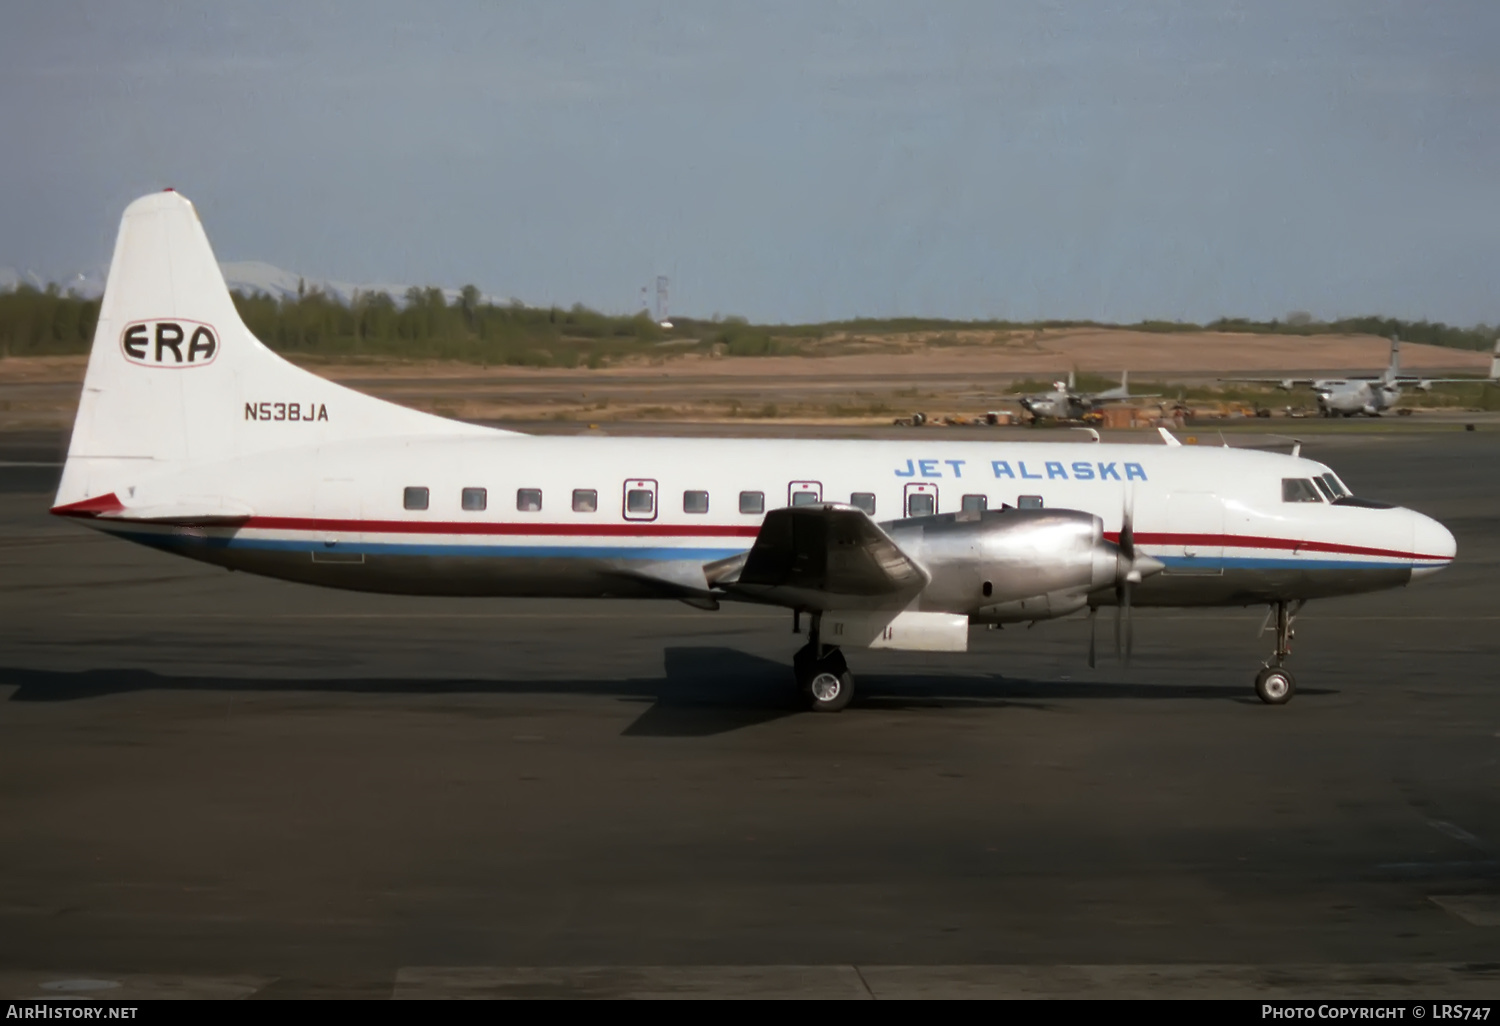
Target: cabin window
x: 695, y: 502
x: 414, y: 498
x: 1339, y: 490
x: 529, y: 500
x: 1029, y: 502
x: 475, y: 500
x: 752, y: 502
x: 804, y: 498
x: 974, y: 504
x: 989, y: 589
x: 1298, y: 489
x: 864, y: 501
x: 585, y: 500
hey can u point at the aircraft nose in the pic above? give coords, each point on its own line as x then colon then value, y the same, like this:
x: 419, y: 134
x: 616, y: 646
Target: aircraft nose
x: 1433, y: 545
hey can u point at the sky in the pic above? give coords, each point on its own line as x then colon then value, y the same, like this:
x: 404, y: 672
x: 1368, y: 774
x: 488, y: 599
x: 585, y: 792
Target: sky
x: 787, y: 162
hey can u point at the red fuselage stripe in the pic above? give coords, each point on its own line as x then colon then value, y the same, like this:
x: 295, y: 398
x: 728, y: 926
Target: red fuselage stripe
x: 626, y: 530
x: 1247, y: 541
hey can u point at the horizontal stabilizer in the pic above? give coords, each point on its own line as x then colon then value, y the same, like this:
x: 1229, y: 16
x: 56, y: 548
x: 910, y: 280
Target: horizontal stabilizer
x: 821, y: 557
x: 206, y: 512
x: 185, y: 514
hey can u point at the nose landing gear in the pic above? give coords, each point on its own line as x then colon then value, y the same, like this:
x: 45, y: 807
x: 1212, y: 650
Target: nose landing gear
x: 823, y: 676
x: 1273, y: 684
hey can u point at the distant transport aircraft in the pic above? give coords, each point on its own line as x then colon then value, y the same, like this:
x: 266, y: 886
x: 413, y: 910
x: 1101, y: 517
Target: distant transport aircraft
x: 1065, y: 402
x: 1370, y: 394
x: 194, y: 438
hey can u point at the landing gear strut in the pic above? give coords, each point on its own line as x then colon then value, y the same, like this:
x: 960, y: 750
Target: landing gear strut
x: 1273, y: 684
x: 823, y: 676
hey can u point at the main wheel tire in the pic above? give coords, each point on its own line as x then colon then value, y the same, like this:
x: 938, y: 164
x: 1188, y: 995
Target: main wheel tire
x: 828, y: 690
x: 1275, y: 686
x: 826, y: 684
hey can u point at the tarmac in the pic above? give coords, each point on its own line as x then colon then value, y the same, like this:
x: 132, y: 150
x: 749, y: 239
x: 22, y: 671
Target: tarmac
x: 222, y: 786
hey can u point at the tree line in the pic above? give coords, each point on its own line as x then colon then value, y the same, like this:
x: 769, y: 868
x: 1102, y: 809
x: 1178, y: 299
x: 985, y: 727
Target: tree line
x: 424, y: 324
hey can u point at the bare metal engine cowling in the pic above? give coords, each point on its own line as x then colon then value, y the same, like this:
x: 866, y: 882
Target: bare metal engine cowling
x: 1038, y: 564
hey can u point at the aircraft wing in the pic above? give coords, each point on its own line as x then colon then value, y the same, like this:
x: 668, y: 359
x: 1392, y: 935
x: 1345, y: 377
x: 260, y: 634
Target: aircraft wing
x: 1123, y: 398
x: 1283, y: 382
x: 1411, y: 379
x: 820, y: 557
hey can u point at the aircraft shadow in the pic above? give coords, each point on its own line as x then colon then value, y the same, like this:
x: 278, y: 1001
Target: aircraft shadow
x: 703, y: 690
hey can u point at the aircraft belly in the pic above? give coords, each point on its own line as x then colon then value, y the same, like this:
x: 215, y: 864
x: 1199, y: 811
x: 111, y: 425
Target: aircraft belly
x: 451, y: 575
x: 1243, y: 585
x: 481, y: 573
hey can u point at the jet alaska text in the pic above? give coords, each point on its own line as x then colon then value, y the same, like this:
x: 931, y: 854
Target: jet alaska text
x: 1055, y: 470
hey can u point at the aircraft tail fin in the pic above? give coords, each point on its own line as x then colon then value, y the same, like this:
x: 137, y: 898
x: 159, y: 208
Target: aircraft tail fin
x: 1393, y: 369
x: 175, y: 378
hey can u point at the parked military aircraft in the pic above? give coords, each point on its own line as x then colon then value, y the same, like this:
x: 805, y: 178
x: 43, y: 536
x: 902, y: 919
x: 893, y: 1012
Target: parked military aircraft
x: 192, y: 437
x: 1369, y: 395
x: 1065, y: 402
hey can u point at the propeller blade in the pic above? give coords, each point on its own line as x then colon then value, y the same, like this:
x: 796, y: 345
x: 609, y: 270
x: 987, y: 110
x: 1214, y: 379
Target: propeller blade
x: 1119, y: 605
x: 1129, y: 626
x: 1125, y: 576
x: 1092, y: 611
x: 1127, y: 529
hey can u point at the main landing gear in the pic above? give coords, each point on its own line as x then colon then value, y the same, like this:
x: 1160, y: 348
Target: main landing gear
x: 1273, y: 684
x: 823, y: 677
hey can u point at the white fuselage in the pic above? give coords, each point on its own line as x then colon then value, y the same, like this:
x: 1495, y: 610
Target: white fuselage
x: 337, y: 514
x: 1358, y: 396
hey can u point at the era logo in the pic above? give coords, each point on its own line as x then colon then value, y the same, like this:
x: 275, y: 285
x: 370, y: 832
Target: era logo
x: 178, y: 343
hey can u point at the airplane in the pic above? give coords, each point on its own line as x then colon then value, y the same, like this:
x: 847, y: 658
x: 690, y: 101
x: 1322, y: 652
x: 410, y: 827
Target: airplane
x: 1065, y: 402
x: 194, y: 438
x: 1352, y: 396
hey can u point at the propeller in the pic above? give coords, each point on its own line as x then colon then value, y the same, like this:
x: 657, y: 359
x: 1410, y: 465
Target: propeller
x: 1124, y: 565
x: 1130, y: 569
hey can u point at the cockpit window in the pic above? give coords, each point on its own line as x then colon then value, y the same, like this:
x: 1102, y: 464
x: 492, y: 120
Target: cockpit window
x: 1298, y: 489
x: 1323, y: 487
x: 1339, y: 491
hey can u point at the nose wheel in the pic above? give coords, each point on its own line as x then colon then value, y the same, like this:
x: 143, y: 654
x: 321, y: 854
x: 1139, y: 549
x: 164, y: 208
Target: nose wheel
x: 1274, y: 685
x: 823, y: 677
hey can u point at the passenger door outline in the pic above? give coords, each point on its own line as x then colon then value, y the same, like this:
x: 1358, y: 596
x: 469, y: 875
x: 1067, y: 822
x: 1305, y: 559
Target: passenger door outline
x: 919, y: 488
x: 639, y: 484
x: 816, y: 487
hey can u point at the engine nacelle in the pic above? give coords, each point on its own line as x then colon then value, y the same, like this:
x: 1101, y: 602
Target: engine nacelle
x: 1009, y: 565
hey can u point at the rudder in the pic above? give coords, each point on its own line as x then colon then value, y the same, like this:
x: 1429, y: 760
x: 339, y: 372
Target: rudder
x: 174, y: 377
